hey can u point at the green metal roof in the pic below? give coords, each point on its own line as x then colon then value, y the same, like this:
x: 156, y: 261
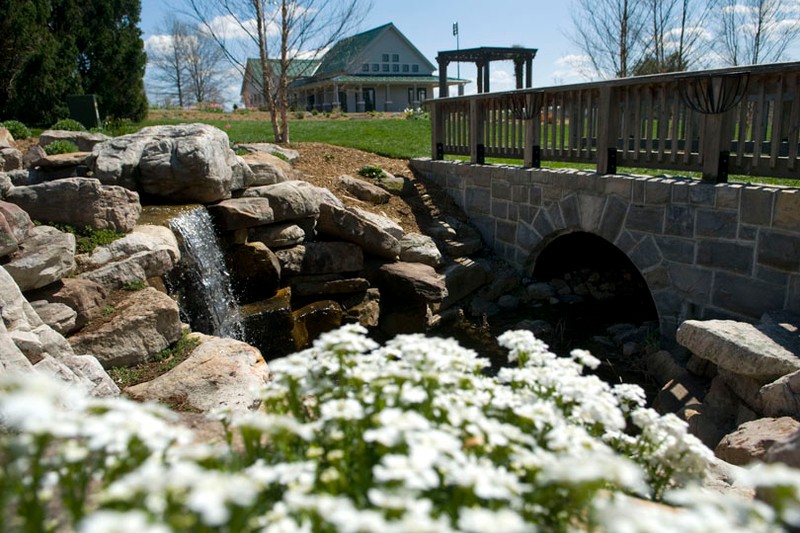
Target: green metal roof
x: 345, y: 51
x: 377, y: 80
x: 298, y: 68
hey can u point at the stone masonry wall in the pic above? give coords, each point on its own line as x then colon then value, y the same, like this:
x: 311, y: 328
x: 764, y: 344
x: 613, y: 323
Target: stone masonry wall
x: 705, y: 250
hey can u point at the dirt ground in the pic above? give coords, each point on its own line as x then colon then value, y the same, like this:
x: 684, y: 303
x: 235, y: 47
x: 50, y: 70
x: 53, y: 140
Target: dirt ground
x: 323, y: 164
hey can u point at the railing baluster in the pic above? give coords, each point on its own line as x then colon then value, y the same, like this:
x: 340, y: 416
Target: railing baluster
x: 777, y: 123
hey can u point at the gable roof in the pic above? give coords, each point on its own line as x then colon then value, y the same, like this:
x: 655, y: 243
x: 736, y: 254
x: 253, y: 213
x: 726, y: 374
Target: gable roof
x: 349, y: 49
x: 298, y: 68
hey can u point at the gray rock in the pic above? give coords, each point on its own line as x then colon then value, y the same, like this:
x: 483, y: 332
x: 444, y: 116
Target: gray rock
x: 347, y: 225
x: 90, y: 368
x: 328, y: 285
x: 241, y: 174
x: 411, y: 282
x: 508, y: 302
x: 12, y: 159
x: 782, y: 396
x: 321, y: 258
x: 463, y: 277
x: 539, y: 291
x: 141, y: 325
x: 143, y: 238
x: 266, y: 169
x: 79, y: 202
x: 15, y: 226
x: 6, y: 139
x: 62, y: 161
x: 83, y: 296
x: 255, y: 272
x: 537, y: 327
x: 84, y: 140
x: 382, y: 221
x: 47, y: 255
x: 752, y: 440
x: 759, y: 352
x: 34, y: 154
x: 237, y: 213
x: 219, y: 373
x: 60, y: 317
x: 187, y: 162
x: 136, y: 268
x: 278, y: 235
x: 289, y: 200
x: 786, y: 450
x: 662, y: 366
x: 292, y: 156
x: 418, y: 248
x: 364, y: 190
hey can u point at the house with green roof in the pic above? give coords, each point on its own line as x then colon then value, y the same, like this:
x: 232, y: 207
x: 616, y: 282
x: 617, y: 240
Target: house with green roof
x: 253, y: 96
x: 377, y: 70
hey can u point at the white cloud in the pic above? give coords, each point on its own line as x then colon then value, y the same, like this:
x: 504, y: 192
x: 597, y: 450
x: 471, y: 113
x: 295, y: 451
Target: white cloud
x: 229, y: 27
x: 572, y: 68
x: 158, y: 44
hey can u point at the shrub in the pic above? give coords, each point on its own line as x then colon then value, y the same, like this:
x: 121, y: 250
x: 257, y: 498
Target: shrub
x: 17, y: 129
x: 300, y: 115
x: 371, y: 171
x: 280, y: 155
x: 314, y: 112
x: 353, y: 436
x: 60, y: 147
x: 68, y: 124
x: 135, y: 285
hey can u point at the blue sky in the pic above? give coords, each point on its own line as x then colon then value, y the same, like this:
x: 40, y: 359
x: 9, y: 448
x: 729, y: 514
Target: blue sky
x: 428, y: 25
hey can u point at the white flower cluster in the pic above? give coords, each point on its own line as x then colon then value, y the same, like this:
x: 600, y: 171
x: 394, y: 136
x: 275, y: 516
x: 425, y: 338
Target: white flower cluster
x: 357, y: 437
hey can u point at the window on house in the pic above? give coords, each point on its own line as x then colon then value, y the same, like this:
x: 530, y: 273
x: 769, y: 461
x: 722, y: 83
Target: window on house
x: 414, y: 68
x: 386, y: 67
x: 365, y: 67
x: 376, y: 67
x: 405, y: 68
x: 395, y: 58
x: 386, y: 58
x: 395, y: 68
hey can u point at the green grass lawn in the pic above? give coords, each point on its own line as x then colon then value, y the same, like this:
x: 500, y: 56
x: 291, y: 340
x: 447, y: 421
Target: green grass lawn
x: 390, y: 137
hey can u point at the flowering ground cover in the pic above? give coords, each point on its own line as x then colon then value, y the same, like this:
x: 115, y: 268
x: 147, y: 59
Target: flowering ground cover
x: 410, y: 436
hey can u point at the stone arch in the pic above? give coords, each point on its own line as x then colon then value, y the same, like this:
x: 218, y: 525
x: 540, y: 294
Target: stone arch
x: 575, y: 249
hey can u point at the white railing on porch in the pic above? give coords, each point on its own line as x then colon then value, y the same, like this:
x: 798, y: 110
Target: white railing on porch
x: 738, y: 120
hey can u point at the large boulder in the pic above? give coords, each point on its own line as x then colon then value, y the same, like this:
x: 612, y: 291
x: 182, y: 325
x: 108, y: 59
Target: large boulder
x: 764, y: 352
x: 24, y: 337
x: 289, y: 200
x: 60, y: 317
x: 84, y: 140
x: 219, y: 373
x: 411, y: 282
x: 11, y: 159
x: 47, y: 255
x: 418, y: 248
x: 139, y: 326
x: 6, y: 139
x: 79, y: 202
x: 752, y: 440
x: 349, y: 226
x: 292, y: 156
x: 321, y: 258
x: 15, y: 226
x: 187, y: 162
x: 133, y: 269
x: 238, y: 213
x: 267, y: 169
x: 364, y: 190
x: 278, y: 235
x: 255, y: 272
x: 782, y: 397
x: 463, y: 277
x: 83, y: 296
x: 143, y: 238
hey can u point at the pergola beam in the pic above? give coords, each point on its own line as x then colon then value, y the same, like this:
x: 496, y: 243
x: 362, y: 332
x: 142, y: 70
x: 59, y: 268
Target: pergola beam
x: 522, y: 58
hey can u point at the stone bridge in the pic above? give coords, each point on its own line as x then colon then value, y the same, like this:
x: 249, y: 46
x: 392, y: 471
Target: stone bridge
x: 705, y: 250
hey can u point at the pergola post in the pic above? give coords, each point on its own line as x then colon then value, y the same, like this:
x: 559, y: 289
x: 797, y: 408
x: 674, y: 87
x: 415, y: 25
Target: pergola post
x: 529, y: 73
x: 443, y: 92
x: 518, y: 65
x: 486, y: 77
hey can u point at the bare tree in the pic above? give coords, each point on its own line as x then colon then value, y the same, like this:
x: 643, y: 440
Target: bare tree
x: 675, y: 39
x: 167, y: 56
x: 755, y: 31
x: 281, y: 31
x: 609, y: 33
x: 204, y: 67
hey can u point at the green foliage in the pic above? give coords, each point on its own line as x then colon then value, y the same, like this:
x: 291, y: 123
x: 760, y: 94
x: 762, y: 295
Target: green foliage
x: 242, y: 151
x: 54, y: 49
x: 371, y: 171
x: 135, y: 285
x: 280, y: 155
x: 68, y: 124
x: 328, y: 157
x: 61, y: 147
x: 17, y: 129
x: 162, y: 362
x: 314, y: 112
x: 89, y: 238
x: 108, y: 310
x: 299, y: 115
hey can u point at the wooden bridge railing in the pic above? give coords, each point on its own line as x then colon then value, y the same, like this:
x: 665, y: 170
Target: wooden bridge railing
x: 739, y: 121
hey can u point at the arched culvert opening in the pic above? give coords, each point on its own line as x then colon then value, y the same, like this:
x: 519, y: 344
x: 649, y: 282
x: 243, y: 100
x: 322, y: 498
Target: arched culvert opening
x: 584, y: 268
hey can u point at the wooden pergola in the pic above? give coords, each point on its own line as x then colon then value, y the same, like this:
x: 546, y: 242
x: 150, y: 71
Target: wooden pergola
x: 522, y: 58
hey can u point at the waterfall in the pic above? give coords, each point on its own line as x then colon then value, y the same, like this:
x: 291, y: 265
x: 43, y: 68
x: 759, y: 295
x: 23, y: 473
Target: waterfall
x: 202, y: 280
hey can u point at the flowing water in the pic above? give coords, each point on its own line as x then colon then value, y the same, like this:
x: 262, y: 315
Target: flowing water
x: 202, y: 281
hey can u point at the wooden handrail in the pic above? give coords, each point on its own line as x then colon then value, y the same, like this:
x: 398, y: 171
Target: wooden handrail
x: 640, y: 122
